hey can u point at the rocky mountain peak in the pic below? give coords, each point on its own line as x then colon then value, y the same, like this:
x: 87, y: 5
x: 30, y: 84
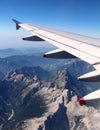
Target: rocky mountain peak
x: 28, y: 72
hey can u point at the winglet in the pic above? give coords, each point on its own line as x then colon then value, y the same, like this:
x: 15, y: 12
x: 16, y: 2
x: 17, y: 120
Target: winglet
x: 17, y: 24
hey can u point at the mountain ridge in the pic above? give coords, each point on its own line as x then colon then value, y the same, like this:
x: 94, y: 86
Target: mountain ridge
x: 35, y: 103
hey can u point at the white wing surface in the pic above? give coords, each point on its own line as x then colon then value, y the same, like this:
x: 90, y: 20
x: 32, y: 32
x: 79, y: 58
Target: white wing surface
x: 70, y: 46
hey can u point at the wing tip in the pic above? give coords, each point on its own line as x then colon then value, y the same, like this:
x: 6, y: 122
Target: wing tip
x: 17, y: 23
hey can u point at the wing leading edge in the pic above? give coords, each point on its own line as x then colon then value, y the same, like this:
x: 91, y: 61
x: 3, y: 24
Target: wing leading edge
x: 71, y: 45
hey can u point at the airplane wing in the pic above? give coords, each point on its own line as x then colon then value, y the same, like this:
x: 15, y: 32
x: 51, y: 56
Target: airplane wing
x: 70, y: 46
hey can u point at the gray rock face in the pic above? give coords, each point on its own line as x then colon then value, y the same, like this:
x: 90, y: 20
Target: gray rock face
x: 28, y: 97
x: 58, y: 120
x: 82, y: 117
x: 31, y: 103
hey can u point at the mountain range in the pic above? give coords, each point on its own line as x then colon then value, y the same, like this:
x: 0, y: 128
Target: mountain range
x: 42, y: 94
x: 29, y: 101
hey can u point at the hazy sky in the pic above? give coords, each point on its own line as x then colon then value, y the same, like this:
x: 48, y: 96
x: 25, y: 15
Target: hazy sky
x: 80, y: 16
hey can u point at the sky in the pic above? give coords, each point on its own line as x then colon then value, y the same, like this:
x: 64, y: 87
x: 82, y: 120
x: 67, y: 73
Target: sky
x: 78, y: 16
